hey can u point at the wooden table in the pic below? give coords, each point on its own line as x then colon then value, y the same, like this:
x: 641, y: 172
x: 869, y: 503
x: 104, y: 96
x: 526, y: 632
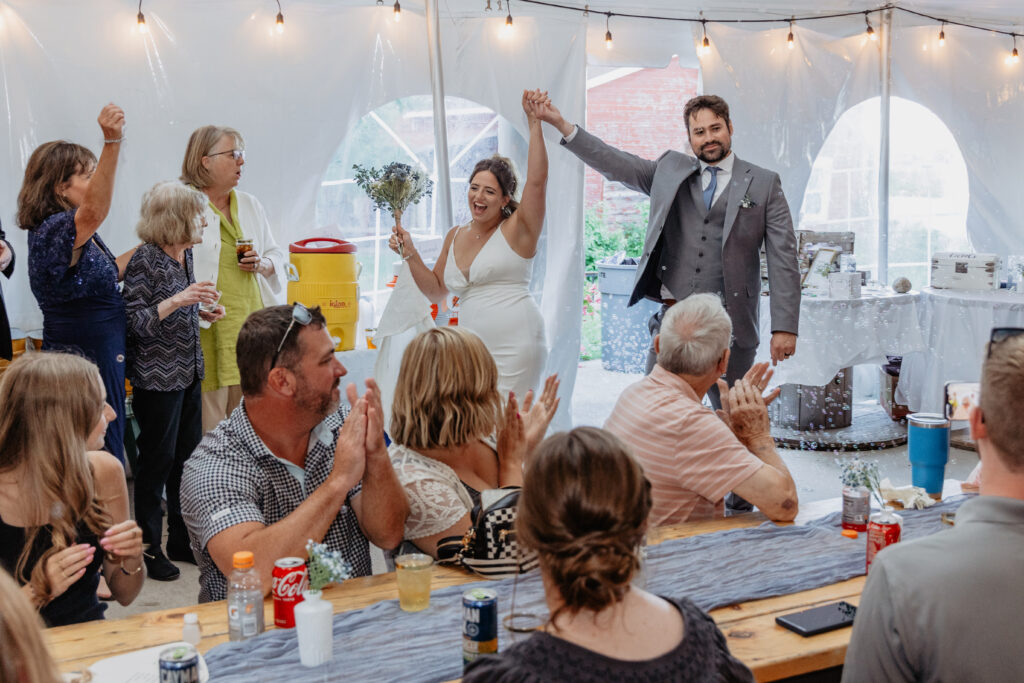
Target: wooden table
x: 769, y: 650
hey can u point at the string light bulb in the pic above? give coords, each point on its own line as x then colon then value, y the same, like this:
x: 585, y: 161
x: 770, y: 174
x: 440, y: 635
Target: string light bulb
x: 508, y: 17
x: 1014, y: 57
x: 870, y: 32
x: 789, y: 38
x: 279, y: 22
x: 942, y: 35
x: 705, y: 45
x: 607, y: 31
x: 398, y: 12
x: 140, y: 20
x: 488, y: 7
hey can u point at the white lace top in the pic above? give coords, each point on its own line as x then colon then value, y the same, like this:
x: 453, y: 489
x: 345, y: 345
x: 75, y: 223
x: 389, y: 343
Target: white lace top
x: 437, y: 498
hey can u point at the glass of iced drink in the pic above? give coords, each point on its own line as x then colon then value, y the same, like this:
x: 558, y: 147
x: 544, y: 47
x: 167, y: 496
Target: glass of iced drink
x: 414, y: 570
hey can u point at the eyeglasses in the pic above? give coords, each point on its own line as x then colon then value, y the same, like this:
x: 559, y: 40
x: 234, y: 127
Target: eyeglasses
x: 1001, y: 334
x: 236, y: 154
x: 300, y: 315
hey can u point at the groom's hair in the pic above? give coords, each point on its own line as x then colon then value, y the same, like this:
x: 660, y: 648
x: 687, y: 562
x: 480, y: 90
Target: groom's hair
x: 713, y: 102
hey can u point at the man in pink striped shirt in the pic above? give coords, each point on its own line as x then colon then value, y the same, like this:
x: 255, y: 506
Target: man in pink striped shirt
x: 691, y: 456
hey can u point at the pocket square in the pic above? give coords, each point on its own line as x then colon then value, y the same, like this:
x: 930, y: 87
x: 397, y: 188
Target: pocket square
x: 747, y: 202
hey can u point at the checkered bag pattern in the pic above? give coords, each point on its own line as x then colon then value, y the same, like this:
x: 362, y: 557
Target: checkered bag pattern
x: 489, y: 548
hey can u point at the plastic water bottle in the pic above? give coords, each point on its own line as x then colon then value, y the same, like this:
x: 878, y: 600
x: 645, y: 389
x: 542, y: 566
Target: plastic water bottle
x: 190, y: 633
x: 245, y: 598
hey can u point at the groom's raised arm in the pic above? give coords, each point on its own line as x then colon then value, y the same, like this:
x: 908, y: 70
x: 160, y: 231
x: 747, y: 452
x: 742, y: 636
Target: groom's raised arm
x: 632, y: 171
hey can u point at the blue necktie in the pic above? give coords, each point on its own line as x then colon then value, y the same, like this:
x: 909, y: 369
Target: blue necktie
x: 709, y: 193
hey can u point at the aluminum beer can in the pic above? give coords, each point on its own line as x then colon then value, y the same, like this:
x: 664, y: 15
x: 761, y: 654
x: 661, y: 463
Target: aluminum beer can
x: 289, y: 581
x: 479, y: 624
x: 179, y: 664
x: 884, y: 529
x: 856, y: 508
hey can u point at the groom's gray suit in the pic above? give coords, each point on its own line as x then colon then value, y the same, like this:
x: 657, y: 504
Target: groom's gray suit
x: 689, y: 249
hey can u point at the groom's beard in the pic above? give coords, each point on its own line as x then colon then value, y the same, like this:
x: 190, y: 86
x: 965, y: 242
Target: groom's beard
x: 714, y: 155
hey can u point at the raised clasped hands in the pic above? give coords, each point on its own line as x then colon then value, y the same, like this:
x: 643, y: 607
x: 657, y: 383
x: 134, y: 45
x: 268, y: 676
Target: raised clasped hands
x: 512, y: 445
x: 745, y: 406
x: 538, y: 415
x: 533, y: 101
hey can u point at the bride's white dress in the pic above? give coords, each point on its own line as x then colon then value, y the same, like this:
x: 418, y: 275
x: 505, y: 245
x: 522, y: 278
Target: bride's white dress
x: 495, y: 303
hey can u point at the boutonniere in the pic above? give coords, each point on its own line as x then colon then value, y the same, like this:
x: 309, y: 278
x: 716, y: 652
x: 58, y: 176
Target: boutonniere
x: 747, y: 202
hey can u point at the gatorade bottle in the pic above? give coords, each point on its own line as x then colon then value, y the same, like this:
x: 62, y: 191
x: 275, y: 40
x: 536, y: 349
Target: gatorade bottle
x: 245, y: 598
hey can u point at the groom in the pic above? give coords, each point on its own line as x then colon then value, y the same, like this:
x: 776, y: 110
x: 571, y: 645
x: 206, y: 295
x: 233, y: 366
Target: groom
x: 709, y: 217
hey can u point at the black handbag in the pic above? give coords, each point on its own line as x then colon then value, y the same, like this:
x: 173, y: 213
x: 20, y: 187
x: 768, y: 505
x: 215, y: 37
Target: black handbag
x: 489, y: 547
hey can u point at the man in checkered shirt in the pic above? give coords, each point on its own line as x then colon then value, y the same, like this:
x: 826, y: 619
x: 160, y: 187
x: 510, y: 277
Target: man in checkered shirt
x: 291, y: 463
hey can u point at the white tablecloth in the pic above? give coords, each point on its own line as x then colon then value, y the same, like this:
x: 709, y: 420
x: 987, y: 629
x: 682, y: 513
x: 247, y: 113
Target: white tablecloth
x: 836, y: 333
x: 956, y: 327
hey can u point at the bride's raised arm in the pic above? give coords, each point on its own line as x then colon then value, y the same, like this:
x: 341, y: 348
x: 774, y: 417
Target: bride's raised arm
x: 529, y: 217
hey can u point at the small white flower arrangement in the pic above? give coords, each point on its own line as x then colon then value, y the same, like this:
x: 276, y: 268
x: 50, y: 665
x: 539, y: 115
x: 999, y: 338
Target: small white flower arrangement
x: 857, y: 472
x: 325, y: 566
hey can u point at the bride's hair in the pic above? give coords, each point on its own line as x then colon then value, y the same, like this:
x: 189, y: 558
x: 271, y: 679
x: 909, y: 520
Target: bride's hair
x: 503, y: 170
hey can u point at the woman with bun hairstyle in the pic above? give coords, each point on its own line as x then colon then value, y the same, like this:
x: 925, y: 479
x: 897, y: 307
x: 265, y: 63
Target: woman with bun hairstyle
x: 584, y: 511
x: 488, y: 262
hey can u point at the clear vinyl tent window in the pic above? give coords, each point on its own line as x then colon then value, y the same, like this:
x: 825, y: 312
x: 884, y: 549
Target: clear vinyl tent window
x: 403, y: 130
x: 928, y: 191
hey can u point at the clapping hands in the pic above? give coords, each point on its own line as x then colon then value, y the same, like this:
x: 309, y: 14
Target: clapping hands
x: 744, y: 407
x: 538, y: 416
x: 361, y: 438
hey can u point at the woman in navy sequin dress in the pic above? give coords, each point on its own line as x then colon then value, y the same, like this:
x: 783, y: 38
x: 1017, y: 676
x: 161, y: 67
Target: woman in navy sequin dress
x: 74, y: 276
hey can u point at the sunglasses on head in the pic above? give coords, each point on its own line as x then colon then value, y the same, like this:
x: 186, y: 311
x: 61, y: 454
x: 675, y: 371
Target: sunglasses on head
x: 300, y: 315
x: 236, y: 154
x: 1001, y: 334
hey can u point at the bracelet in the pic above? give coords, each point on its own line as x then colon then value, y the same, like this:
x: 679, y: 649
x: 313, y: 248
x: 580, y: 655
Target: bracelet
x: 114, y: 142
x: 134, y: 571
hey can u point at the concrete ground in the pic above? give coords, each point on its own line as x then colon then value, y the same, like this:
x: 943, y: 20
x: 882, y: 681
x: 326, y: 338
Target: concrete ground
x: 816, y: 474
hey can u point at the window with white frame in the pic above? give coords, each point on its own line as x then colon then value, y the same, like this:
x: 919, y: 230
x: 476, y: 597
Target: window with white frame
x: 928, y: 190
x: 403, y: 130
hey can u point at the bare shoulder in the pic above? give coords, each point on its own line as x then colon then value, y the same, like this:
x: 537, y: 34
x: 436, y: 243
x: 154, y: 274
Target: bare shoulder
x: 107, y: 470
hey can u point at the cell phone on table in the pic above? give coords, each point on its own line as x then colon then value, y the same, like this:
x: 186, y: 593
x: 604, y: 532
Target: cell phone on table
x: 817, y: 620
x: 960, y: 398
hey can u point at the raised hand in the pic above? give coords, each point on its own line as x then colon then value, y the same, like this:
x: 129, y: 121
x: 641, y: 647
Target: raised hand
x: 375, y: 446
x: 67, y: 566
x: 400, y: 241
x: 350, y: 448
x: 538, y: 416
x: 747, y: 413
x: 512, y: 445
x: 758, y: 376
x: 122, y: 540
x: 111, y: 120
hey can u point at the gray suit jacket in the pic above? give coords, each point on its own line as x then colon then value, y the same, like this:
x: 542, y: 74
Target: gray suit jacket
x: 763, y: 218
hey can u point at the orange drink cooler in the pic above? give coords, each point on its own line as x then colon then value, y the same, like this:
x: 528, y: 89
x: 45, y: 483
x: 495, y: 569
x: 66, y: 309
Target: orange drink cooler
x: 324, y: 272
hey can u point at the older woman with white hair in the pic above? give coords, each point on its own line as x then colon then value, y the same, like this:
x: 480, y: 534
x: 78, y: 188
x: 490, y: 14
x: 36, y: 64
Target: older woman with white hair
x: 165, y: 361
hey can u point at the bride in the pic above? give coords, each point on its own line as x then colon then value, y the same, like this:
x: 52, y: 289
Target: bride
x: 488, y: 262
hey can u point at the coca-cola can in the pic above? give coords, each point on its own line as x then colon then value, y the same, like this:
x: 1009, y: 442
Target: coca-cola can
x: 289, y: 581
x: 884, y: 529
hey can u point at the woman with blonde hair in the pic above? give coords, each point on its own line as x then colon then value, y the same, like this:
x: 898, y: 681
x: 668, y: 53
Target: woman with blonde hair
x: 63, y: 503
x: 452, y: 437
x: 584, y: 511
x: 165, y: 361
x: 24, y: 657
x: 248, y: 278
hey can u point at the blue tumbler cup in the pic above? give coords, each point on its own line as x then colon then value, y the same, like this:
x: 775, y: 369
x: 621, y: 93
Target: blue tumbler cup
x: 928, y: 437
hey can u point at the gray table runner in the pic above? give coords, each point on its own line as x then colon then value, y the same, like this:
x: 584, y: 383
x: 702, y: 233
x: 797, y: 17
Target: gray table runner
x: 383, y: 643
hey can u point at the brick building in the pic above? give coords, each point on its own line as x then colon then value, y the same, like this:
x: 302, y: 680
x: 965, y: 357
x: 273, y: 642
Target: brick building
x: 639, y: 111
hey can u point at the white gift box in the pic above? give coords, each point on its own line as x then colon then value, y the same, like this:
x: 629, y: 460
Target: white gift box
x: 952, y: 270
x: 844, y: 285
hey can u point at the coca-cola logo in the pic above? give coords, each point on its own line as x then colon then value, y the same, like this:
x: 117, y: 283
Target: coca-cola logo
x: 290, y: 585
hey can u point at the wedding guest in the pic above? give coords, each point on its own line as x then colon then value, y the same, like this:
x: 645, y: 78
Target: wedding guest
x: 63, y: 502
x: 947, y: 607
x: 291, y: 463
x: 584, y: 510
x: 165, y: 362
x: 7, y: 268
x: 23, y: 652
x: 248, y: 281
x: 692, y: 457
x: 452, y: 440
x: 64, y: 200
x: 488, y: 262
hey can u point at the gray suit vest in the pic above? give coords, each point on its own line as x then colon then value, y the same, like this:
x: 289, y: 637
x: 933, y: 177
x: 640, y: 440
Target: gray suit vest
x: 691, y: 257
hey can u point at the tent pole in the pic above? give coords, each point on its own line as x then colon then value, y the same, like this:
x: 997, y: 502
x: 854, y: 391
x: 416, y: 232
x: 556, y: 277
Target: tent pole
x: 443, y: 192
x: 883, y: 151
